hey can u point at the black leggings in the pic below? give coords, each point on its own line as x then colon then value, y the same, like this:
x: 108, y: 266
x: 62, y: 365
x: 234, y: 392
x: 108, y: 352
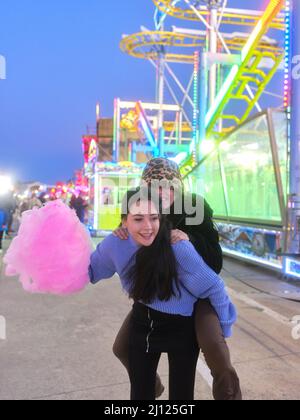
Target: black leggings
x: 151, y: 334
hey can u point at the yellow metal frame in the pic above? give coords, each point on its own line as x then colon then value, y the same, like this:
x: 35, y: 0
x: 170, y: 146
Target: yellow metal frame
x: 247, y: 75
x: 252, y: 50
x: 227, y: 18
x: 234, y: 87
x: 170, y: 126
x: 134, y: 45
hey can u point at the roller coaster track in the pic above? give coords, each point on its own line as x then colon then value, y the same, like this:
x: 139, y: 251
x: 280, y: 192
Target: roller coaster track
x: 149, y: 45
x: 234, y: 87
x: 154, y: 44
x: 229, y: 17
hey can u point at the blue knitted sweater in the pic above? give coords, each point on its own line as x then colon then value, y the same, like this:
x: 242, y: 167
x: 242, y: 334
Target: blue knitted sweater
x: 196, y: 279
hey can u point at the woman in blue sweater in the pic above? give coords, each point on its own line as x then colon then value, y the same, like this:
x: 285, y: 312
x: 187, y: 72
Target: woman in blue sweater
x: 164, y: 281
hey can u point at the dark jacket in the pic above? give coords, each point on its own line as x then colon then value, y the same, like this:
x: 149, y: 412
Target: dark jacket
x: 203, y: 236
x: 79, y: 205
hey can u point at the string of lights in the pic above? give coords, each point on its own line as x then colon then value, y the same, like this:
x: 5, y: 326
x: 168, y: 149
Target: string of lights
x: 195, y: 99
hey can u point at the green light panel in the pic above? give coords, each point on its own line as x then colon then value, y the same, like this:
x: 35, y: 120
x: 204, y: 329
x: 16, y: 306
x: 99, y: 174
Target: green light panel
x: 243, y: 185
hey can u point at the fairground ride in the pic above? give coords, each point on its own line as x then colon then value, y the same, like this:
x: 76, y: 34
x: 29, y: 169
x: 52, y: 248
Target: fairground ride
x: 243, y: 157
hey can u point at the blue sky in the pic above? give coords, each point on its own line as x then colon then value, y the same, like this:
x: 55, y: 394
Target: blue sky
x: 62, y: 57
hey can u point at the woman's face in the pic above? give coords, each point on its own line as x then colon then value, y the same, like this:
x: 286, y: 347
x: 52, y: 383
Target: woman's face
x: 143, y: 222
x: 167, y: 197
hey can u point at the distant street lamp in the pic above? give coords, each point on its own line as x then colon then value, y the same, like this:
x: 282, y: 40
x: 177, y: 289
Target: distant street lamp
x: 6, y: 184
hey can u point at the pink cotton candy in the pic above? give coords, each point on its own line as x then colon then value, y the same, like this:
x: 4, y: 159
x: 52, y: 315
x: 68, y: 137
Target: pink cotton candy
x: 51, y: 253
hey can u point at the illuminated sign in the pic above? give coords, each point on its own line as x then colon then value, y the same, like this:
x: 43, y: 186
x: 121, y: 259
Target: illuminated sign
x: 93, y: 151
x: 86, y: 144
x: 292, y: 267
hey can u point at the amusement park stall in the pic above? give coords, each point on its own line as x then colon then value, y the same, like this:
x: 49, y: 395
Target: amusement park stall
x: 108, y: 183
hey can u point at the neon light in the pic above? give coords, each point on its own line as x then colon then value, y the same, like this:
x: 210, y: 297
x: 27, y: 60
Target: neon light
x: 116, y: 127
x: 96, y: 200
x: 145, y: 125
x: 195, y: 97
x: 207, y: 146
x: 149, y: 106
x: 251, y: 258
x: 179, y: 158
x: 292, y: 268
x: 273, y: 7
x: 287, y: 58
x: 251, y: 40
x: 221, y: 94
x: 259, y: 27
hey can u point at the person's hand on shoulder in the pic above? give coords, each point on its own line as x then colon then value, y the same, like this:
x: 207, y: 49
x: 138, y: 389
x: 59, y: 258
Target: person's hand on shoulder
x: 178, y: 235
x: 121, y: 233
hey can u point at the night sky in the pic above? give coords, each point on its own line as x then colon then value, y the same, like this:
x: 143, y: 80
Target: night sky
x: 62, y: 58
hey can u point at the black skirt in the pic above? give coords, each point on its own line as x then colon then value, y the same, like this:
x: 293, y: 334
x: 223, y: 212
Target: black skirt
x: 158, y: 332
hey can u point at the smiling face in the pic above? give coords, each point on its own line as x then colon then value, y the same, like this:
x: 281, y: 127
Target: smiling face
x: 143, y: 222
x: 167, y: 196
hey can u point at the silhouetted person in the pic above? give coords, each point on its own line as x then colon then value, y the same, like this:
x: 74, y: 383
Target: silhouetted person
x: 3, y: 219
x: 79, y: 205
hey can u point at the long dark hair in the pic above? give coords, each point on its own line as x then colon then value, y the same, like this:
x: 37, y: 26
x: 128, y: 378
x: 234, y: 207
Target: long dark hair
x: 154, y: 272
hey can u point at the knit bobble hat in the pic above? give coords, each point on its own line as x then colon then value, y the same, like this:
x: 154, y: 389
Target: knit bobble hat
x: 162, y: 169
